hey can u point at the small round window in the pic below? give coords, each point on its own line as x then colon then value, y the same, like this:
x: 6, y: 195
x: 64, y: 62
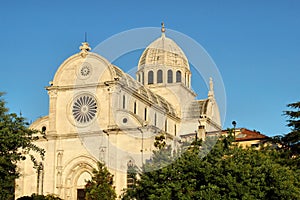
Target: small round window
x: 125, y: 120
x: 84, y: 71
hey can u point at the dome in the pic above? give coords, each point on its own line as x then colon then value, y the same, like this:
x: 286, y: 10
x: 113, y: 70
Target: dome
x: 163, y: 51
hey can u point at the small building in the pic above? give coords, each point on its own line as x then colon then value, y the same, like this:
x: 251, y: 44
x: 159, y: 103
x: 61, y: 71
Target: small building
x: 247, y: 138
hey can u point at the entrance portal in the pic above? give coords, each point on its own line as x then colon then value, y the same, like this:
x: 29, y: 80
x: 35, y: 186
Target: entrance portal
x: 80, y: 194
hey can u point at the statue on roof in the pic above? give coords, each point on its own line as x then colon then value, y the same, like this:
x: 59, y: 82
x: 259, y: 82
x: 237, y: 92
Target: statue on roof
x: 211, y: 88
x: 84, y: 49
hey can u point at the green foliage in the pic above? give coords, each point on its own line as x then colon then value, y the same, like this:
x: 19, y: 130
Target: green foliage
x: 101, y: 185
x: 162, y: 157
x: 289, y: 144
x: 160, y: 142
x: 16, y: 142
x: 226, y: 172
x: 39, y: 197
x: 131, y: 174
x: 292, y: 139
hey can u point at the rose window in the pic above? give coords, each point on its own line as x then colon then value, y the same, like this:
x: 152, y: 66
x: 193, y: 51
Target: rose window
x: 84, y: 109
x: 85, y: 71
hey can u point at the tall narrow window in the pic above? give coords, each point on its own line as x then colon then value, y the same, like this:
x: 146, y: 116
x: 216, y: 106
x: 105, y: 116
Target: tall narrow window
x: 143, y: 78
x: 145, y: 114
x: 123, y: 104
x: 150, y: 77
x: 139, y: 78
x: 155, y: 119
x: 134, y: 107
x: 166, y: 125
x: 159, y: 76
x: 170, y: 76
x: 175, y: 129
x: 178, y: 76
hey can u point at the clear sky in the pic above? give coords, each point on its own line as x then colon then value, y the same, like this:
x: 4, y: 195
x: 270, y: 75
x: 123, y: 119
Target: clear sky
x: 255, y: 44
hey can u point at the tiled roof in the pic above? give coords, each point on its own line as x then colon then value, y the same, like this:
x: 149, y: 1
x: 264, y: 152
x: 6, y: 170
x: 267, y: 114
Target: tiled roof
x: 244, y: 134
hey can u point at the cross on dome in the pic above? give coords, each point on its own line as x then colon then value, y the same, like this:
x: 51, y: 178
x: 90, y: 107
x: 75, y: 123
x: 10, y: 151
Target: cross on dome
x: 163, y: 27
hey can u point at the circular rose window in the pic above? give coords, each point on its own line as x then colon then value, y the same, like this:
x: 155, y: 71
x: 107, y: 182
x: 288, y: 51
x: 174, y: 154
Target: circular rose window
x: 84, y: 109
x: 84, y: 70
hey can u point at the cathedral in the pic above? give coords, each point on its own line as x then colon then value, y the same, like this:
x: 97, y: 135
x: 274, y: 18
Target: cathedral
x: 97, y: 112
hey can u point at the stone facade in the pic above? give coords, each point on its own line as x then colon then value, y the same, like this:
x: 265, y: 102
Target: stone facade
x: 98, y: 112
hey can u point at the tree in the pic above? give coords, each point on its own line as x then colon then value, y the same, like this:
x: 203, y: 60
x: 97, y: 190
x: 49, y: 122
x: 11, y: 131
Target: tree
x: 101, y: 185
x: 131, y: 181
x: 292, y: 139
x: 289, y: 144
x: 226, y: 172
x: 16, y: 144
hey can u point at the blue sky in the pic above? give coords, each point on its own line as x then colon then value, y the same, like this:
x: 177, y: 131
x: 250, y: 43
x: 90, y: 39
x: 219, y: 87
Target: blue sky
x: 255, y: 44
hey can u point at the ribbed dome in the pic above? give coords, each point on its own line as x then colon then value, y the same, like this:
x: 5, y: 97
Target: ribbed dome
x: 163, y: 51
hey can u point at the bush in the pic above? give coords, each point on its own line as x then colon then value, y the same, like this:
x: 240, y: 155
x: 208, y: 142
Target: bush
x: 39, y: 197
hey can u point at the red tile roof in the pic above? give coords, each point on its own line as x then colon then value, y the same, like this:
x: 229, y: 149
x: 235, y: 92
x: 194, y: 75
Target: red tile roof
x: 244, y: 134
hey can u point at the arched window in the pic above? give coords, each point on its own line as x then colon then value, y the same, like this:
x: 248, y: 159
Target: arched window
x: 134, y: 107
x: 44, y: 129
x: 178, y: 76
x: 150, y: 77
x: 170, y: 76
x: 143, y: 78
x: 159, y: 76
x: 123, y: 104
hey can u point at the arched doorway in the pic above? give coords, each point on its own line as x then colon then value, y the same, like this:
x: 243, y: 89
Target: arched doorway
x: 81, y: 182
x: 77, y: 172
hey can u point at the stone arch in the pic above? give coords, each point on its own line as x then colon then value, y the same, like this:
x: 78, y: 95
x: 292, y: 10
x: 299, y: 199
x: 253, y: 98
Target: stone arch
x: 77, y: 59
x: 74, y: 171
x: 133, y: 120
x: 40, y: 123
